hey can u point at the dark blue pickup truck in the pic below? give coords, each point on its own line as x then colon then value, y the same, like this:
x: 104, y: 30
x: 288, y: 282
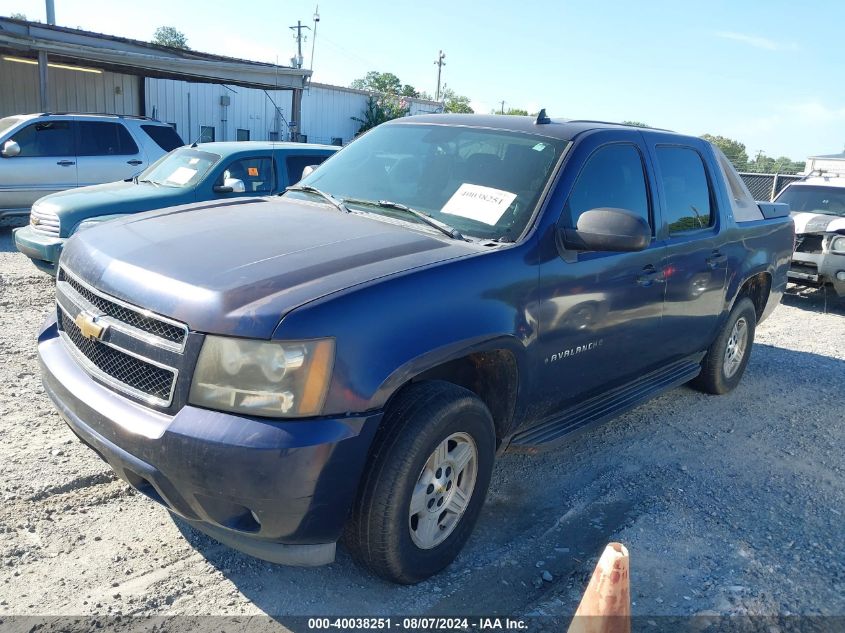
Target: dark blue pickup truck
x: 346, y: 360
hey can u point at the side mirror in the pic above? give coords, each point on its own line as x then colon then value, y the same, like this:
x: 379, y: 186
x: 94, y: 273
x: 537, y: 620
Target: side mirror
x: 308, y: 170
x: 10, y: 149
x: 230, y: 185
x: 607, y: 229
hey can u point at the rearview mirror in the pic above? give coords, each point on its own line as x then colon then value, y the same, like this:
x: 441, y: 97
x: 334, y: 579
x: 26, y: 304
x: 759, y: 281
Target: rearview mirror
x: 230, y: 185
x: 607, y: 229
x: 10, y: 149
x: 308, y: 170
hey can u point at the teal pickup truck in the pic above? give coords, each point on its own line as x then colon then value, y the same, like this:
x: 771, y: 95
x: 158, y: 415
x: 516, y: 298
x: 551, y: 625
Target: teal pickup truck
x: 211, y: 171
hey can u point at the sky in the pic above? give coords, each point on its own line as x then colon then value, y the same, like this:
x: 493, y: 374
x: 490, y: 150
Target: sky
x: 765, y: 73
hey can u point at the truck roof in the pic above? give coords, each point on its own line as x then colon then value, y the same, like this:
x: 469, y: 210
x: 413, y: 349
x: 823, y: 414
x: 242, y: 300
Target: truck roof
x: 227, y: 147
x: 565, y: 129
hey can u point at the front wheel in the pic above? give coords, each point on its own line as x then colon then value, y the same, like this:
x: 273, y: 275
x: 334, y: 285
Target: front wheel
x: 727, y: 358
x: 425, y: 484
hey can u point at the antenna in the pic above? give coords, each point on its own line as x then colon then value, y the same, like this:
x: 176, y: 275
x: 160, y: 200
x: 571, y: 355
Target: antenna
x: 314, y: 35
x: 542, y: 118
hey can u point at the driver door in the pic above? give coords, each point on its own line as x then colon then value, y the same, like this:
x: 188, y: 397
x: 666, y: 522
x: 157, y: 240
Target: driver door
x: 600, y: 312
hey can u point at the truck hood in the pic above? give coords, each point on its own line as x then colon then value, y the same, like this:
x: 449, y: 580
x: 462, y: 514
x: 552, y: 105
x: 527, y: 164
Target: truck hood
x: 74, y: 205
x: 818, y: 223
x: 238, y: 267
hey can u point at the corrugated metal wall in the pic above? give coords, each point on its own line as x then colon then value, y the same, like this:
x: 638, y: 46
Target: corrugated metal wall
x: 327, y: 112
x: 67, y: 90
x: 192, y: 105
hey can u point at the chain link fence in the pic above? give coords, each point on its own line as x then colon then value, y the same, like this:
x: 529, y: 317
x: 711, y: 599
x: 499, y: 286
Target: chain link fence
x: 767, y: 186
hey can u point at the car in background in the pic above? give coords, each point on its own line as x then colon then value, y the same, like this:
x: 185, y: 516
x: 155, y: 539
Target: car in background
x: 818, y: 209
x: 41, y: 154
x: 211, y: 171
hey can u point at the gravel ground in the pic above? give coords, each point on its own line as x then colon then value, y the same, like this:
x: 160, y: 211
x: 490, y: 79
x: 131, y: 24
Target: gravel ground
x: 728, y: 505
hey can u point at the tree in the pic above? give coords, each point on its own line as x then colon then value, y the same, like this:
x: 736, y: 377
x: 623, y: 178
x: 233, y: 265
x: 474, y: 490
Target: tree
x: 511, y: 111
x: 386, y: 83
x: 734, y: 150
x: 380, y: 109
x: 18, y: 16
x: 636, y: 123
x: 169, y: 36
x: 453, y: 102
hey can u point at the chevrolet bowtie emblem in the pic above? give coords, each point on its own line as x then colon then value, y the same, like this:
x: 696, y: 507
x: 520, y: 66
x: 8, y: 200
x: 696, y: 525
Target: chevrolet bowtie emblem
x: 87, y: 324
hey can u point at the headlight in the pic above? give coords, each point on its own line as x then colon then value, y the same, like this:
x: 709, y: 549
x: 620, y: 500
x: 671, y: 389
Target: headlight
x: 268, y: 378
x: 838, y: 244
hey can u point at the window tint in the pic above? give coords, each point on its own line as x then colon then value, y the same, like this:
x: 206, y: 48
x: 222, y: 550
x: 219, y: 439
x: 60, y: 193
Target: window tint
x: 613, y: 177
x: 164, y: 136
x: 295, y: 165
x: 48, y: 138
x: 256, y: 174
x: 101, y: 138
x: 687, y: 192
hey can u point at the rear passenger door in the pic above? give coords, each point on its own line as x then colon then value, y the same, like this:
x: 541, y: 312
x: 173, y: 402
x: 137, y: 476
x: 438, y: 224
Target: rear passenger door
x: 106, y: 152
x: 693, y: 229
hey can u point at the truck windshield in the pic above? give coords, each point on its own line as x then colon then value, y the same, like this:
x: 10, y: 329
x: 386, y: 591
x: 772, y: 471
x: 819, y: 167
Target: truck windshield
x: 182, y: 167
x: 815, y: 199
x: 485, y: 183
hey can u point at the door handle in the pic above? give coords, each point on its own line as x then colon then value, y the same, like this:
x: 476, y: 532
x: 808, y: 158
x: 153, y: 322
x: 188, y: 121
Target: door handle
x: 134, y: 162
x: 716, y: 260
x: 66, y: 163
x: 649, y: 275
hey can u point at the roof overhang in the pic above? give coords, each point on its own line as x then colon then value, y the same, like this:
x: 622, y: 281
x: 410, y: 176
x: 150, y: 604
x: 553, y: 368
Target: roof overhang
x: 73, y: 46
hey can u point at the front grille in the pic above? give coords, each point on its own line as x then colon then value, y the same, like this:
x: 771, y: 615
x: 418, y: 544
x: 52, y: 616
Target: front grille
x: 133, y: 318
x: 133, y: 372
x: 809, y: 243
x: 45, y: 222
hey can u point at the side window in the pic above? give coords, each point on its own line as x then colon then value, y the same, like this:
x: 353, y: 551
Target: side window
x: 256, y: 174
x: 295, y: 165
x: 102, y: 138
x: 48, y: 138
x: 686, y: 188
x: 613, y: 177
x: 165, y: 136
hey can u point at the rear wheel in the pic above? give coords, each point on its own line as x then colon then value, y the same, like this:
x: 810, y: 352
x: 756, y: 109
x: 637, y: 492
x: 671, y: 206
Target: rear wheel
x: 426, y: 483
x: 727, y: 358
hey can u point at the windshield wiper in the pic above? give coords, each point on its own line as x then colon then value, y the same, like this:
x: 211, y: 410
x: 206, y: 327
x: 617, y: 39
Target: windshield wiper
x: 444, y: 228
x: 152, y: 182
x: 337, y: 204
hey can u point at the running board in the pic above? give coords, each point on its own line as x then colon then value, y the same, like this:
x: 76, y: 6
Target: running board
x: 607, y: 405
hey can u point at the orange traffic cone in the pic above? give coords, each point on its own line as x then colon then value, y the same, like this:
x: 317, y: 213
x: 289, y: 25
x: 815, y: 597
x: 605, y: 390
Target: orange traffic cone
x: 606, y: 605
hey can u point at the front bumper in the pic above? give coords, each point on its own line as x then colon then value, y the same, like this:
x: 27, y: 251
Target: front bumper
x: 43, y: 250
x: 816, y: 269
x: 280, y: 491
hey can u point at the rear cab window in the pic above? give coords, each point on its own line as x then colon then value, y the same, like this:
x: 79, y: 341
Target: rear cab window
x: 164, y: 136
x: 689, y: 204
x: 296, y: 164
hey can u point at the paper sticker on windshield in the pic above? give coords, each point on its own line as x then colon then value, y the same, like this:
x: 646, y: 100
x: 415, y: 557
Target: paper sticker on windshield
x: 252, y: 171
x: 482, y: 204
x: 181, y: 175
x: 193, y: 161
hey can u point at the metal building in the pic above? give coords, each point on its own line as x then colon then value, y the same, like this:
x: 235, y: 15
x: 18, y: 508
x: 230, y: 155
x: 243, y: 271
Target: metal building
x: 46, y: 68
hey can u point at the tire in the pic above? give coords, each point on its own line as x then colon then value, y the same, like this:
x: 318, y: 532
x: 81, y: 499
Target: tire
x: 718, y: 376
x: 383, y: 534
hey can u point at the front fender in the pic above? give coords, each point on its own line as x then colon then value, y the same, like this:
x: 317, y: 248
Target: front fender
x: 390, y: 330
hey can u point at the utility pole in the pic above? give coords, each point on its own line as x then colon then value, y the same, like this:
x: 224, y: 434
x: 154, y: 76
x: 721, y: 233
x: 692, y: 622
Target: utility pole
x: 440, y: 64
x: 502, y: 111
x: 314, y: 35
x: 297, y: 61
